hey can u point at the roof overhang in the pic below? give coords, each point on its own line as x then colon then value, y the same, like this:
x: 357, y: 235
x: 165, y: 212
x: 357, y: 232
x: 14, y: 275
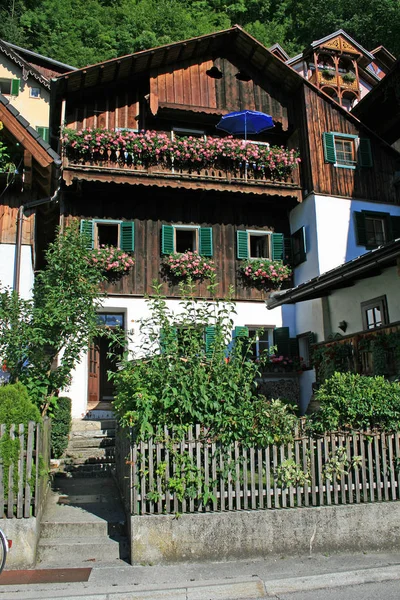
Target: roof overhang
x: 367, y: 265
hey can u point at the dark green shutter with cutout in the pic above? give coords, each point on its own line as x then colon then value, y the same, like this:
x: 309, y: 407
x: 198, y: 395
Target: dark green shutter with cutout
x: 361, y: 231
x: 43, y: 132
x: 167, y: 239
x: 277, y: 246
x: 395, y: 225
x: 312, y: 338
x: 329, y: 147
x: 281, y: 340
x: 87, y: 229
x: 127, y: 236
x: 210, y: 339
x: 15, y: 85
x: 242, y: 244
x: 205, y: 241
x: 293, y: 347
x: 364, y: 153
x: 288, y: 250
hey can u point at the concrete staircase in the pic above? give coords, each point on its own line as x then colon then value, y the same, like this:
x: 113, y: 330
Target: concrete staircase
x: 83, y: 523
x: 91, y: 448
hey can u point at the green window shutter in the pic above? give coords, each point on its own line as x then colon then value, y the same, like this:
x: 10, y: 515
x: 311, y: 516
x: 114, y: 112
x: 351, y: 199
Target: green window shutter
x: 43, y: 132
x: 299, y: 246
x: 395, y: 223
x: 364, y: 153
x: 127, y: 236
x: 15, y: 84
x: 288, y: 250
x: 241, y: 331
x: 281, y: 340
x: 167, y: 239
x: 277, y: 246
x: 87, y: 230
x: 210, y: 339
x: 329, y: 147
x: 205, y: 241
x: 312, y: 338
x: 361, y: 232
x: 242, y: 244
x: 293, y: 347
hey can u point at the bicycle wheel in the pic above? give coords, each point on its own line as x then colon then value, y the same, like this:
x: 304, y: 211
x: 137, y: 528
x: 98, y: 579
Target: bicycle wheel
x: 3, y: 550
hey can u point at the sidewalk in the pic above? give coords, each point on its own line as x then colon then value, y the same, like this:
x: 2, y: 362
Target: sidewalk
x: 216, y: 581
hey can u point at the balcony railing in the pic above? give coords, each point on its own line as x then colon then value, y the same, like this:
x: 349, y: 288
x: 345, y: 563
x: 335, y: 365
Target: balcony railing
x: 155, y: 154
x: 370, y: 353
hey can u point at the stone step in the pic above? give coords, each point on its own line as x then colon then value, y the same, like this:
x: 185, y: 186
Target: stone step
x: 59, y: 530
x: 91, y: 454
x: 104, y: 469
x: 93, y: 434
x: 99, y: 442
x: 92, y: 425
x: 77, y: 549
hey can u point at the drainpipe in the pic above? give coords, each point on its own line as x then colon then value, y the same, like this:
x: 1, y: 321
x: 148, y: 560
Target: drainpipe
x: 20, y: 219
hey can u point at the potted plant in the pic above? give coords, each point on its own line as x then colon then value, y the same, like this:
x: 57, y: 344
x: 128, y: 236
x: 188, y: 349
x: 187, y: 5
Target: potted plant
x: 185, y: 265
x: 349, y: 77
x: 328, y: 73
x: 264, y: 273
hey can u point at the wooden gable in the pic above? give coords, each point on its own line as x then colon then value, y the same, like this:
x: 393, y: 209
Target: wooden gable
x: 340, y: 44
x: 215, y: 86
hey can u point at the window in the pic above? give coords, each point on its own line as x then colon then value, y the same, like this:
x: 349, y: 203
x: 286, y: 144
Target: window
x: 260, y: 244
x: 101, y: 232
x: 186, y: 132
x: 347, y: 151
x: 9, y: 86
x: 374, y: 313
x: 298, y: 243
x: 304, y: 341
x: 43, y: 132
x: 34, y: 92
x: 375, y: 228
x: 182, y: 238
x: 261, y: 338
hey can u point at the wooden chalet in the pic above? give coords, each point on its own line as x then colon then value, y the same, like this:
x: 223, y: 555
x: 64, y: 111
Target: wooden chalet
x: 223, y: 209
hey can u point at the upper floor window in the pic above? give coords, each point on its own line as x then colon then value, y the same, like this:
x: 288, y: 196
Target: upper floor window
x: 9, y: 87
x: 260, y: 244
x: 374, y: 313
x: 298, y: 247
x: 43, y: 132
x: 183, y: 238
x: 347, y: 151
x: 375, y: 228
x: 34, y: 92
x: 103, y: 232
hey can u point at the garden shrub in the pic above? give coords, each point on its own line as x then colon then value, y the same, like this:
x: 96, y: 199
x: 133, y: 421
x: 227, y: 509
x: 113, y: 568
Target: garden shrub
x: 353, y: 401
x: 60, y: 426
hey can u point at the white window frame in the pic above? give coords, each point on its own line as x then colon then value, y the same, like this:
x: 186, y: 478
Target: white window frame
x: 194, y: 228
x: 258, y: 233
x: 32, y: 95
x: 106, y: 222
x: 265, y: 328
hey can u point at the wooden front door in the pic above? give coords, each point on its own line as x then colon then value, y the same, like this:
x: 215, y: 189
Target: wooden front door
x: 94, y: 374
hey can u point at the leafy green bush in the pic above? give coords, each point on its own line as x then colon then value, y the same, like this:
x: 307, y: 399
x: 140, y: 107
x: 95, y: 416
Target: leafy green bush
x: 60, y: 426
x: 15, y: 405
x: 354, y: 401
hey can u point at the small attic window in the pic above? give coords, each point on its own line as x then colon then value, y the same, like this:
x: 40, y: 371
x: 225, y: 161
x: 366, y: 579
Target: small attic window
x: 243, y: 76
x: 214, y: 73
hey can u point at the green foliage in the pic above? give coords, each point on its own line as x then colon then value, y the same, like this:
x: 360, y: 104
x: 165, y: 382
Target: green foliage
x: 337, y: 357
x: 15, y: 409
x: 188, y: 371
x: 60, y: 425
x: 57, y: 324
x: 352, y: 401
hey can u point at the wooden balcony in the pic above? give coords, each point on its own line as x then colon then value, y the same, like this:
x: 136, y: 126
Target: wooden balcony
x: 245, y: 180
x: 370, y: 353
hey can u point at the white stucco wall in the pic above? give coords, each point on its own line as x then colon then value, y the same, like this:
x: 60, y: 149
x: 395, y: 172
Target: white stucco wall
x: 134, y: 309
x: 7, y: 258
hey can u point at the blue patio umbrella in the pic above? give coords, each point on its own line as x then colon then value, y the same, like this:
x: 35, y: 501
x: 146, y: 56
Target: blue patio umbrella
x: 245, y: 122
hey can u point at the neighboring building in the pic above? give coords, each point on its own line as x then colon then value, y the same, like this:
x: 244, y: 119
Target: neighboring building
x: 361, y: 299
x: 342, y: 68
x: 25, y: 192
x: 25, y: 82
x: 341, y: 201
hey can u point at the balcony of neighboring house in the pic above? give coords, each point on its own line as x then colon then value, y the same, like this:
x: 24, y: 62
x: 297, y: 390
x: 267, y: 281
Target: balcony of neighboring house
x: 375, y: 352
x: 157, y: 158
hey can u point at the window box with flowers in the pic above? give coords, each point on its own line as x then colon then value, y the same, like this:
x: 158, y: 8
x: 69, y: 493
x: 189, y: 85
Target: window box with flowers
x: 188, y: 265
x: 264, y: 274
x: 112, y: 261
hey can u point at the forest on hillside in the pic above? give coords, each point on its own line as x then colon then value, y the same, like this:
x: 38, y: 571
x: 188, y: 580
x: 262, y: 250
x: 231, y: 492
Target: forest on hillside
x: 81, y: 32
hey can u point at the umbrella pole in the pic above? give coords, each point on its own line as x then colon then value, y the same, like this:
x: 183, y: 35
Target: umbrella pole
x: 245, y: 140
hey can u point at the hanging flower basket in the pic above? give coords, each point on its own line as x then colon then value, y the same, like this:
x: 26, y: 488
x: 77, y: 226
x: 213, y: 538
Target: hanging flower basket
x: 113, y: 261
x: 185, y: 265
x: 264, y: 274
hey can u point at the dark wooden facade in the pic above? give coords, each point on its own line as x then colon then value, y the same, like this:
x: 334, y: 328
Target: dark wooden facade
x: 191, y: 85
